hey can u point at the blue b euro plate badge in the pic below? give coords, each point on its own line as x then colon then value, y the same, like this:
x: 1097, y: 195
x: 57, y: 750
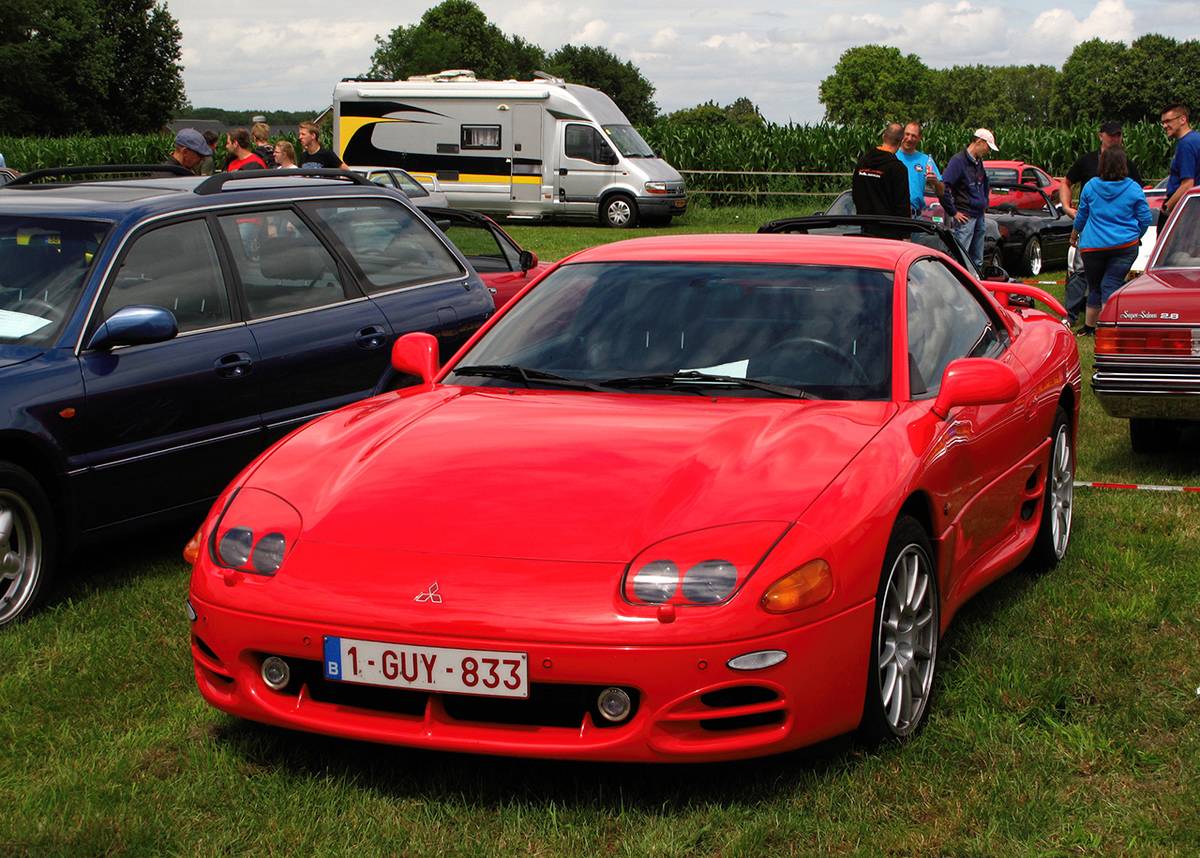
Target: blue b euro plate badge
x: 333, y: 658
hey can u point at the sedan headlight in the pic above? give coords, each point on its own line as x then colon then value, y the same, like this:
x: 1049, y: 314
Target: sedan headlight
x: 704, y: 567
x: 255, y: 532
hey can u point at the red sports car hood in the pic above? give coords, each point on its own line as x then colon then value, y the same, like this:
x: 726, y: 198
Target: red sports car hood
x: 558, y: 475
x: 1162, y: 295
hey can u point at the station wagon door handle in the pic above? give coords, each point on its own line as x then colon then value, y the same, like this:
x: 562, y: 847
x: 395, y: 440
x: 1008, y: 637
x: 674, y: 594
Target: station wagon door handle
x: 372, y: 337
x: 233, y: 365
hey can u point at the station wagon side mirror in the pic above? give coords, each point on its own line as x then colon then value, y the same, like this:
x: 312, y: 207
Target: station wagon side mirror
x: 416, y: 354
x: 975, y: 381
x: 134, y: 325
x: 528, y: 259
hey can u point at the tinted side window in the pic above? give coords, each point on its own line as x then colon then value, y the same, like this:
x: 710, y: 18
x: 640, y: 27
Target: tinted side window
x: 174, y: 267
x: 389, y: 245
x: 479, y: 245
x: 281, y: 263
x: 580, y: 142
x: 945, y: 322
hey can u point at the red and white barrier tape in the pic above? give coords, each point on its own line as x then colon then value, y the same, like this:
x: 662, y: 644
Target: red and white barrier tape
x: 1083, y: 484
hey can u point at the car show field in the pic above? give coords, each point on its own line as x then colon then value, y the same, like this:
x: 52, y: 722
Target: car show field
x: 1064, y: 717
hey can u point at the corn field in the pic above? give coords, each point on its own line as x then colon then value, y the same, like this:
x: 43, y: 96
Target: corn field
x: 773, y: 148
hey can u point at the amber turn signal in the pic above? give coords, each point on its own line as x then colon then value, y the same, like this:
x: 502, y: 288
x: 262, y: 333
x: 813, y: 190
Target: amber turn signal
x: 802, y: 588
x: 191, y: 551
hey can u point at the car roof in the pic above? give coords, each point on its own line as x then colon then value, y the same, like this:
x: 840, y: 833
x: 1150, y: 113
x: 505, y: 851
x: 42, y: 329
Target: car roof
x: 856, y: 252
x: 1013, y: 164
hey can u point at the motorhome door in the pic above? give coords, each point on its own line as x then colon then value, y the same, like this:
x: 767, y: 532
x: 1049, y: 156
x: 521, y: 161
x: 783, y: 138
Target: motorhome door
x: 588, y: 165
x: 527, y: 152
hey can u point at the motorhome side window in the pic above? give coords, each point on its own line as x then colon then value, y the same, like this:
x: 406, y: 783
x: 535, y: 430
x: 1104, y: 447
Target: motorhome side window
x: 481, y: 136
x: 582, y: 141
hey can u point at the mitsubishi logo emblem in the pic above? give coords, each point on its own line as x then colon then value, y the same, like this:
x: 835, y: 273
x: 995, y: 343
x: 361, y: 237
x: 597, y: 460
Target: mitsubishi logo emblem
x: 430, y: 595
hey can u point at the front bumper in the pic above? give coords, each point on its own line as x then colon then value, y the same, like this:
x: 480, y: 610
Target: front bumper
x: 689, y: 705
x: 1150, y: 387
x: 663, y: 205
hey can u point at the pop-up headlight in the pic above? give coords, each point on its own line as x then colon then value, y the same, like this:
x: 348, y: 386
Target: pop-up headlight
x: 255, y: 532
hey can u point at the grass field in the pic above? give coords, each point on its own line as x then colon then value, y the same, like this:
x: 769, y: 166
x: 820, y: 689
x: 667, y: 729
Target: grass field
x: 1066, y: 722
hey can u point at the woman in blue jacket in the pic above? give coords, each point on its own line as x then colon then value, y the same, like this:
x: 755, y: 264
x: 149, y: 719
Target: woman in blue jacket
x: 1110, y: 221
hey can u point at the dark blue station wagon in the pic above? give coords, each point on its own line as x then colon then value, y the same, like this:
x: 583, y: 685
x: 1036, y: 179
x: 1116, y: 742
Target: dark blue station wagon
x: 157, y: 333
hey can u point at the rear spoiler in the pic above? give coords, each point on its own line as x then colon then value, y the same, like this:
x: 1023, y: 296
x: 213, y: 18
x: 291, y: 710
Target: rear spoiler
x: 1004, y: 290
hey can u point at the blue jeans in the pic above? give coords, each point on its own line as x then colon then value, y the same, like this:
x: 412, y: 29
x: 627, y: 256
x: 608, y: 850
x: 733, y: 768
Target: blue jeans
x: 970, y: 236
x: 1106, y: 270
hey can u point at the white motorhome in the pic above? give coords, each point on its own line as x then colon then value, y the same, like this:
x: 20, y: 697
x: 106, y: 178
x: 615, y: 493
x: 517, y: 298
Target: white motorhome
x: 524, y: 149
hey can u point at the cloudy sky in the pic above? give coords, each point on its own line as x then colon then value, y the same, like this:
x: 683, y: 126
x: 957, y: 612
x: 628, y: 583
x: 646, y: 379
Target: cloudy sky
x: 289, y: 56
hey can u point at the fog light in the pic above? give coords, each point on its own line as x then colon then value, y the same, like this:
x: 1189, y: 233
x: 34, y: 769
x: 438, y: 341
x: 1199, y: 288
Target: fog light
x: 614, y: 704
x: 191, y: 612
x: 757, y: 660
x: 275, y: 672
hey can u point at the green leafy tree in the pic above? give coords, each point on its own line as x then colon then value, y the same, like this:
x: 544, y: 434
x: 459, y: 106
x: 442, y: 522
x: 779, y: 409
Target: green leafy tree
x: 742, y: 112
x: 455, y: 34
x: 147, y: 87
x: 1087, y: 89
x: 875, y: 84
x: 619, y: 79
x: 1156, y: 71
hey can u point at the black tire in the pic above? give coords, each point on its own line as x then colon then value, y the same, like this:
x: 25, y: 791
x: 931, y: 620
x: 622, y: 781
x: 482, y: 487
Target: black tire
x: 1150, y: 435
x: 904, y: 638
x: 27, y: 543
x: 1054, y: 528
x: 1032, y: 260
x: 619, y: 211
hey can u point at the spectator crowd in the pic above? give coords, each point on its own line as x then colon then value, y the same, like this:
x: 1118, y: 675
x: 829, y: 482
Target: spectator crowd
x: 251, y: 149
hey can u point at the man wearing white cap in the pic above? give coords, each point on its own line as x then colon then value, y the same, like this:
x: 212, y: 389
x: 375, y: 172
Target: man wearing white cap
x: 966, y: 196
x: 190, y: 149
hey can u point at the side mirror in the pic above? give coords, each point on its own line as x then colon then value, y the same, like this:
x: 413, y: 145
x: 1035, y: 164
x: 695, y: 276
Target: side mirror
x: 134, y: 325
x: 528, y: 259
x: 975, y: 381
x: 995, y: 274
x: 416, y: 354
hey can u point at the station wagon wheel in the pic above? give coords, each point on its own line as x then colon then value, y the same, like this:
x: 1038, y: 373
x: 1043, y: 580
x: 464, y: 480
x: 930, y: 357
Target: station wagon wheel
x: 619, y: 212
x: 26, y: 542
x: 1031, y: 255
x: 904, y: 640
x: 1054, y: 528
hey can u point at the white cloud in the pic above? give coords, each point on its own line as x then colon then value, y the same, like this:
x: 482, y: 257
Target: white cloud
x: 1109, y: 19
x: 665, y: 38
x: 592, y: 33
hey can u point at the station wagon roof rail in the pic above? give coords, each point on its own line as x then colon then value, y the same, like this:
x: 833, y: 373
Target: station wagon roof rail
x: 34, y: 177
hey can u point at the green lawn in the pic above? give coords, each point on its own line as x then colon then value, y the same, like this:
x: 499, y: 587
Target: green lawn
x: 1066, y: 723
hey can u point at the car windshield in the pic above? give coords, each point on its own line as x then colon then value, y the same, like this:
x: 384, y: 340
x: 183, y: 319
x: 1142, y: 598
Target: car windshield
x: 734, y: 329
x: 628, y: 142
x: 43, y: 266
x: 1001, y: 177
x: 1180, y: 247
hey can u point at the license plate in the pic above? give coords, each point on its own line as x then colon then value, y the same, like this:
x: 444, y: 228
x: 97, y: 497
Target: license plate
x: 679, y: 203
x: 425, y: 668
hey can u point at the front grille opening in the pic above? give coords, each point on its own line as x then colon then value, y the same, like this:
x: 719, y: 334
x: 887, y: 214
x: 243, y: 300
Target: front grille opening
x: 739, y: 695
x: 205, y: 648
x: 742, y: 722
x: 399, y: 701
x: 548, y: 705
x: 217, y: 680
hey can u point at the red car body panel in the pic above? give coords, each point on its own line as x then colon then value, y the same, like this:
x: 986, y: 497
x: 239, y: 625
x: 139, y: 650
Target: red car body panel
x: 1022, y: 200
x: 526, y: 506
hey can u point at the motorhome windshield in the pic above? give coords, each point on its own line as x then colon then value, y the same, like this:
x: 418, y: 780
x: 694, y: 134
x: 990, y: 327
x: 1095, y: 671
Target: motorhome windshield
x: 628, y: 142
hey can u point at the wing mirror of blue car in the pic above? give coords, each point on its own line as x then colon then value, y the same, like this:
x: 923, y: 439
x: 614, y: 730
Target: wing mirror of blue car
x: 134, y: 325
x: 975, y: 381
x: 416, y: 354
x: 528, y: 260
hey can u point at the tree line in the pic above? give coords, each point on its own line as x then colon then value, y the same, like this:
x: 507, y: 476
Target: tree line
x: 1099, y: 81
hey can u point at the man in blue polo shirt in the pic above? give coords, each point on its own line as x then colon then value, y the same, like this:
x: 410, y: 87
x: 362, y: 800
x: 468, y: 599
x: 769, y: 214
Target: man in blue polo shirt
x: 1185, y: 166
x: 921, y: 168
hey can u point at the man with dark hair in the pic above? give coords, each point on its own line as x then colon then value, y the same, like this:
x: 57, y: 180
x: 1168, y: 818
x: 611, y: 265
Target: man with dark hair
x: 880, y: 184
x: 237, y: 144
x: 1185, y: 166
x: 921, y: 168
x: 190, y: 149
x: 312, y: 153
x: 967, y: 191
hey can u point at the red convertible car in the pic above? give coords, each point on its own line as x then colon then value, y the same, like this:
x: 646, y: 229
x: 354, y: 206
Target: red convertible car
x: 687, y: 498
x: 1148, y: 339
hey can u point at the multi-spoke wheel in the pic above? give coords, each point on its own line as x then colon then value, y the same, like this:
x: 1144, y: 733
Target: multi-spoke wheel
x: 26, y: 542
x: 1054, y: 530
x: 619, y: 212
x: 1031, y: 255
x: 904, y: 643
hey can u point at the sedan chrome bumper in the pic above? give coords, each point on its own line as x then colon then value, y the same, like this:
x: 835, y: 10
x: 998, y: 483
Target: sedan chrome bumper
x: 1129, y: 386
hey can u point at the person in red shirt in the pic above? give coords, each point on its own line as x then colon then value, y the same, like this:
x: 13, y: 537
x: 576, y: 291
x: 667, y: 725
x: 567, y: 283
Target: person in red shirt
x: 241, y: 156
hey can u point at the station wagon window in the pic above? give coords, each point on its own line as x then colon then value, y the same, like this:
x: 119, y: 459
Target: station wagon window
x: 389, y: 245
x: 945, y: 322
x: 481, y: 137
x: 175, y: 267
x: 282, y: 265
x: 582, y: 141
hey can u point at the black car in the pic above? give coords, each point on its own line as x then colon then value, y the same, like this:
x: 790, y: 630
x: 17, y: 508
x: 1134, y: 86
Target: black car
x: 156, y: 333
x: 1034, y: 237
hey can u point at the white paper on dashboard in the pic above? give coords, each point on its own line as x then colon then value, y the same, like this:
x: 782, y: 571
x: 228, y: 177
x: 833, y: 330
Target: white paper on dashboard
x: 20, y: 324
x: 736, y: 369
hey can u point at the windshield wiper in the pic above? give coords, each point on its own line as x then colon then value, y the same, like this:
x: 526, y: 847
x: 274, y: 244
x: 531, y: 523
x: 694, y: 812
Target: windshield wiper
x: 694, y: 379
x: 526, y: 375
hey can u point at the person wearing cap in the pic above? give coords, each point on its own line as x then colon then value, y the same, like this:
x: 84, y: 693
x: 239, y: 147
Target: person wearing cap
x: 1185, y: 165
x: 967, y: 190
x: 190, y: 149
x: 1087, y: 167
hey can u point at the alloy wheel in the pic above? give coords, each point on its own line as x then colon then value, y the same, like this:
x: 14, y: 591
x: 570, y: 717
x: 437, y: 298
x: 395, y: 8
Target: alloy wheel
x: 20, y: 554
x: 1062, y: 492
x: 907, y: 640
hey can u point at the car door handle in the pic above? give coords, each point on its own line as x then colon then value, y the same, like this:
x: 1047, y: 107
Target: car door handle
x: 233, y: 365
x: 371, y: 337
x: 562, y: 171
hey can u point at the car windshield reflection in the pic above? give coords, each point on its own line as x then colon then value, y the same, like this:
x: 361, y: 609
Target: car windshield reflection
x: 1181, y: 244
x: 794, y: 331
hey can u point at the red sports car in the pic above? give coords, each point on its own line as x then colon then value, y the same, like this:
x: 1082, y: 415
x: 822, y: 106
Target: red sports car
x: 1148, y: 339
x: 1004, y: 175
x: 687, y: 498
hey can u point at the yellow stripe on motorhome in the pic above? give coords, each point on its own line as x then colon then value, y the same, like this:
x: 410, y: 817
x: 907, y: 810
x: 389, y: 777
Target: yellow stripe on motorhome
x: 480, y: 179
x: 350, y: 124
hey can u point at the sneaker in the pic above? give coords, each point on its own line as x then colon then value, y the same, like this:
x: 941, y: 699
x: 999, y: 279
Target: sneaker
x: 1086, y: 331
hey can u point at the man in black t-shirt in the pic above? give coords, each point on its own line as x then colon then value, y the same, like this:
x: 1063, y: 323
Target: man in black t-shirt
x: 312, y: 153
x: 1087, y: 167
x: 880, y: 184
